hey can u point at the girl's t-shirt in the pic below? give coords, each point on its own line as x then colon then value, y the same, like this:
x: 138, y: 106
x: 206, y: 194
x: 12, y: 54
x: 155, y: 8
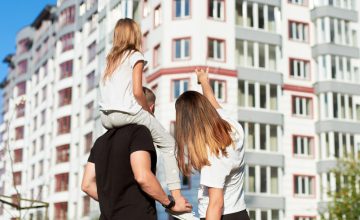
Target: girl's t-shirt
x: 226, y: 173
x: 117, y: 91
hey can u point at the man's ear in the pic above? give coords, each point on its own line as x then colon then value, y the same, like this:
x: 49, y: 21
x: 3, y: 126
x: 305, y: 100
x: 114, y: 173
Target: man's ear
x: 152, y: 108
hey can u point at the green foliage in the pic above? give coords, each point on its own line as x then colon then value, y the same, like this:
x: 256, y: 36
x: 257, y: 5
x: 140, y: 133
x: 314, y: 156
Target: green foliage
x: 345, y: 202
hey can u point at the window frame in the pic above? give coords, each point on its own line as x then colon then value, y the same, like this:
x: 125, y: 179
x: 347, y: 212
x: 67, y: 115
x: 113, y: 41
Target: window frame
x: 174, y: 49
x: 293, y: 113
x: 156, y: 50
x: 181, y: 17
x: 172, y: 97
x: 213, y: 18
x: 290, y: 21
x: 306, y: 3
x: 310, y: 196
x: 223, y: 60
x: 292, y: 59
x: 157, y: 7
x: 312, y: 147
x: 224, y: 99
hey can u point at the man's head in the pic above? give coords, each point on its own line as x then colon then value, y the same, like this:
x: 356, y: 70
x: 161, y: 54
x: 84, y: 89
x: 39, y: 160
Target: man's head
x: 150, y: 98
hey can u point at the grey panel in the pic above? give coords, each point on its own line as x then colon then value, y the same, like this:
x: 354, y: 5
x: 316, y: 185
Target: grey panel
x: 260, y: 116
x: 324, y: 166
x: 102, y: 14
x: 264, y: 159
x: 337, y: 126
x: 329, y: 11
x: 66, y: 4
x: 90, y: 12
x: 264, y: 202
x: 258, y: 36
x: 24, y: 33
x: 47, y: 56
x: 264, y: 76
x: 322, y: 49
x: 268, y: 2
x: 334, y: 86
x: 66, y: 29
x: 101, y: 45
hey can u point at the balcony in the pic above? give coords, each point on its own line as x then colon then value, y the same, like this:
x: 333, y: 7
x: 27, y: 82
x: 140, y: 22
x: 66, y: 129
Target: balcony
x: 336, y: 86
x: 257, y: 35
x: 265, y: 202
x: 334, y: 49
x: 334, y: 12
x: 337, y: 126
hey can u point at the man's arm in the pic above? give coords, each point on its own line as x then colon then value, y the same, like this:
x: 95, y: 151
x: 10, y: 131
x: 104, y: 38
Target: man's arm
x: 141, y: 166
x: 88, y: 184
x: 203, y: 79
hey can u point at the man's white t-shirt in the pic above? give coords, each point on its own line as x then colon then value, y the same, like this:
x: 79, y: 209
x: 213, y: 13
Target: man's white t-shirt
x: 226, y: 173
x: 117, y: 91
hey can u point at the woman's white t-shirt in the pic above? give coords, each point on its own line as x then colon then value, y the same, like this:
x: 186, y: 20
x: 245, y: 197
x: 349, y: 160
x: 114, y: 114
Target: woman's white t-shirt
x: 226, y: 173
x: 117, y: 91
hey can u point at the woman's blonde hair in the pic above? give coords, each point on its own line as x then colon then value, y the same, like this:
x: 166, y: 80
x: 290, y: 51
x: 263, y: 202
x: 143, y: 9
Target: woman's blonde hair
x: 198, y: 128
x: 126, y: 39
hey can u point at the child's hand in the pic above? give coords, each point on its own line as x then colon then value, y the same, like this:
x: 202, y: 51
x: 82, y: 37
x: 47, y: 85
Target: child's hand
x: 202, y: 75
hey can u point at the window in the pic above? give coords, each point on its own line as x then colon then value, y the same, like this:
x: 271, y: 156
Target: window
x: 41, y: 168
x: 67, y: 16
x: 182, y: 8
x: 17, y: 178
x: 61, y: 182
x: 66, y: 69
x: 67, y: 41
x: 20, y: 110
x: 358, y: 112
x: 298, y: 31
x: 179, y: 86
x: 89, y: 109
x: 298, y: 2
x: 91, y: 51
x: 216, y: 49
x: 22, y: 65
x: 299, y: 69
x: 19, y: 132
x: 18, y: 155
x: 65, y: 96
x: 262, y: 179
x: 303, y: 146
x: 21, y: 88
x: 88, y: 141
x: 43, y: 117
x: 219, y: 88
x: 302, y: 106
x: 64, y: 125
x: 146, y: 8
x: 157, y: 56
x: 42, y: 142
x: 304, y: 218
x: 62, y: 153
x: 145, y: 39
x: 157, y: 16
x: 304, y: 185
x: 61, y: 210
x: 182, y: 48
x: 24, y: 45
x: 86, y: 205
x: 90, y: 81
x: 216, y: 9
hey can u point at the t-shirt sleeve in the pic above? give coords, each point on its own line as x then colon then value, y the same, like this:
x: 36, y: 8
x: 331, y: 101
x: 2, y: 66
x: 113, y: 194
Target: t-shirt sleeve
x: 233, y: 122
x: 141, y: 140
x: 136, y: 57
x: 91, y: 158
x: 215, y: 174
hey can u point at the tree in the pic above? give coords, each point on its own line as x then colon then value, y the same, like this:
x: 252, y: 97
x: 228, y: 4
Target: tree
x: 345, y: 202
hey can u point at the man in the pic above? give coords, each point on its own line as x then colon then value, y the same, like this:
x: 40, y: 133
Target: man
x: 120, y: 174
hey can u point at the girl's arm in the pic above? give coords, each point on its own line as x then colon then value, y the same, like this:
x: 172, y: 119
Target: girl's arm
x: 203, y: 79
x: 137, y: 86
x: 216, y: 204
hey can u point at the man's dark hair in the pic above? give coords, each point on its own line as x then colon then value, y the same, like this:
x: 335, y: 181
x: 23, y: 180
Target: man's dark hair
x: 149, y: 95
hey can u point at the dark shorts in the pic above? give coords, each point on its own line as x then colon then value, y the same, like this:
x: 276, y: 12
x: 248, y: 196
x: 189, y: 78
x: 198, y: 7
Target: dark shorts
x: 242, y: 215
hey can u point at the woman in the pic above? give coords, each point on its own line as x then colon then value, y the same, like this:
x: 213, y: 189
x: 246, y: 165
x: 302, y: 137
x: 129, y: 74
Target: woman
x: 211, y: 142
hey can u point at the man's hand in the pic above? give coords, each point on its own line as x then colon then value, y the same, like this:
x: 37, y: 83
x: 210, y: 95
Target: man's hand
x: 202, y: 75
x: 181, y: 205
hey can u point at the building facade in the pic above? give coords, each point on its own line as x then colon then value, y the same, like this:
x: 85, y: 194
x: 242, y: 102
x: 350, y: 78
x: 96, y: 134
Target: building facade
x: 288, y: 70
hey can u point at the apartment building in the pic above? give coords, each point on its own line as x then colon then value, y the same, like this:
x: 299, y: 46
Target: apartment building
x: 288, y: 70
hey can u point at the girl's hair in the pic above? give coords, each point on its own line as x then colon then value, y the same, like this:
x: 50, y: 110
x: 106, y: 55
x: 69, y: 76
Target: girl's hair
x: 127, y: 38
x: 198, y: 128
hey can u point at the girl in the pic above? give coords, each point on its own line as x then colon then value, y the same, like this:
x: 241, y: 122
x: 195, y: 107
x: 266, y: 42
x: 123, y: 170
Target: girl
x: 211, y: 142
x: 123, y: 101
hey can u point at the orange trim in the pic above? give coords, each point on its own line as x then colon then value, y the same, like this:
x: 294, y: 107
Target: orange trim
x: 190, y: 69
x: 298, y: 88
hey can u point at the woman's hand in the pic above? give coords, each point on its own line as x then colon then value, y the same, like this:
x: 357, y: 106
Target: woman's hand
x: 202, y: 75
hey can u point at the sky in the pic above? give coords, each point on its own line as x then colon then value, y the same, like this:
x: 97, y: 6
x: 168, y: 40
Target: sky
x: 14, y: 15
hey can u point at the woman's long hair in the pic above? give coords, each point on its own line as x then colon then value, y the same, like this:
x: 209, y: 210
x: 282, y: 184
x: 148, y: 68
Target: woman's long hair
x: 198, y: 128
x: 127, y: 38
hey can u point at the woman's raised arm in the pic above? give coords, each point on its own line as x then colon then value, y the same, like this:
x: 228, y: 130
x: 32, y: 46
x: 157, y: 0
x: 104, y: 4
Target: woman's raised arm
x: 203, y: 79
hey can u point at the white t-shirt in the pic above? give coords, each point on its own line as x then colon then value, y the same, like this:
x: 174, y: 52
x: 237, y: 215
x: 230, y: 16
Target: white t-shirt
x: 117, y: 91
x: 226, y: 173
